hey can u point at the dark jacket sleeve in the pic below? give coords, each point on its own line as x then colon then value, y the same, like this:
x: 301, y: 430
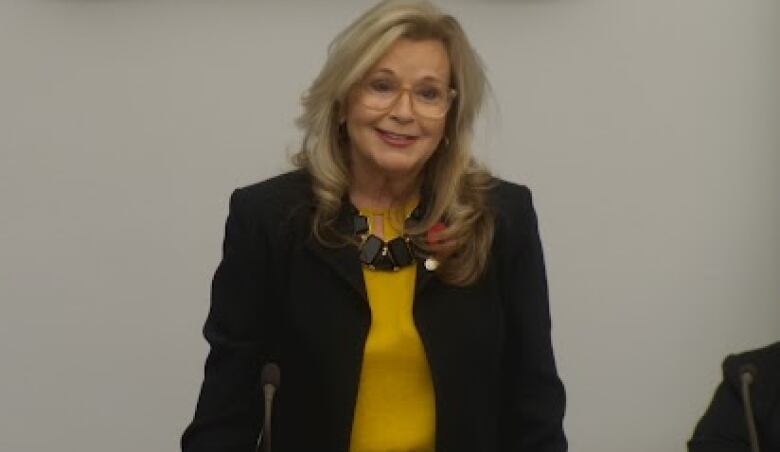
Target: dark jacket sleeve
x: 228, y: 416
x: 534, y: 398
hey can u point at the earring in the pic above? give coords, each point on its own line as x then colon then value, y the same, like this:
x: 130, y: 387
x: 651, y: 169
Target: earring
x: 446, y: 141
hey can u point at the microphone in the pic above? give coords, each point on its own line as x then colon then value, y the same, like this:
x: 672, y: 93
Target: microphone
x: 747, y: 375
x: 269, y: 380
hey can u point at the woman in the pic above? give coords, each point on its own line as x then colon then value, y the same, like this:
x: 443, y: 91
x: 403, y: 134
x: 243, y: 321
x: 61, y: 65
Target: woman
x: 398, y: 286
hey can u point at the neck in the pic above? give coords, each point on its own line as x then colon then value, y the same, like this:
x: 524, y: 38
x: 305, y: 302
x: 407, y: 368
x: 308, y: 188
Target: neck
x: 379, y: 190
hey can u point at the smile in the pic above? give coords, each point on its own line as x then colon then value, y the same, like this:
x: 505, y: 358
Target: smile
x: 396, y: 139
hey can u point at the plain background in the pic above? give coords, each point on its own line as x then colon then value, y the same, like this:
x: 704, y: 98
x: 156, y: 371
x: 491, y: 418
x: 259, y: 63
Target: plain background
x: 648, y: 131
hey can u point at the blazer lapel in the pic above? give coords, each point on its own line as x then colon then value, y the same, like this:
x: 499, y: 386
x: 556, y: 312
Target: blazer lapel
x: 344, y: 261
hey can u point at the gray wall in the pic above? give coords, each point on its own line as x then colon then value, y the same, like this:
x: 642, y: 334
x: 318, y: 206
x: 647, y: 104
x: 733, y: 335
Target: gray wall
x: 648, y: 131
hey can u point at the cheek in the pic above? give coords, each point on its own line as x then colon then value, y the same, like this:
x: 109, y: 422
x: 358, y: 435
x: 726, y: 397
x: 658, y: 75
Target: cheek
x: 435, y: 133
x: 361, y: 134
x: 361, y: 123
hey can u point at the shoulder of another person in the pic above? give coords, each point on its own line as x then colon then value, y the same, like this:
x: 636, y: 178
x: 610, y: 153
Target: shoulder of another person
x: 766, y: 361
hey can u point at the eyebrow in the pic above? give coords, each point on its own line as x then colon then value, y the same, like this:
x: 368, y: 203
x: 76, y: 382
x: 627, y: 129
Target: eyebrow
x: 426, y: 78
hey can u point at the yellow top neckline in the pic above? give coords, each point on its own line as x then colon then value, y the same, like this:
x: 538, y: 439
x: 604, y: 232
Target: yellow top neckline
x: 408, y: 207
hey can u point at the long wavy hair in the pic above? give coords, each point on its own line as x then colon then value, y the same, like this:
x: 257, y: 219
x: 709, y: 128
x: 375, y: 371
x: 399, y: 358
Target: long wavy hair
x: 455, y: 185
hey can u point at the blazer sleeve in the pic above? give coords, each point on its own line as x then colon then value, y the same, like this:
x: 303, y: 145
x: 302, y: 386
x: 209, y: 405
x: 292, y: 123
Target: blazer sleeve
x: 228, y: 416
x: 722, y: 428
x: 534, y: 398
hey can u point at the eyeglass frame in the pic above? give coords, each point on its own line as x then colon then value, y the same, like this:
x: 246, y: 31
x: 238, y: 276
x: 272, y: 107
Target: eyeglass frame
x: 451, y: 94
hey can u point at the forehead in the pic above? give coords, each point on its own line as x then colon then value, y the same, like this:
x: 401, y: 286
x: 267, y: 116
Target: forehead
x: 415, y: 60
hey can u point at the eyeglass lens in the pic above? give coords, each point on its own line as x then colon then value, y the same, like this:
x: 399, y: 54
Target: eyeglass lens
x: 428, y: 98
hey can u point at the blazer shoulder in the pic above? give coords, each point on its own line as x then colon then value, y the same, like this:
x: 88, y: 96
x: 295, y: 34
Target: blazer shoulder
x: 510, y: 198
x: 276, y: 197
x: 512, y: 205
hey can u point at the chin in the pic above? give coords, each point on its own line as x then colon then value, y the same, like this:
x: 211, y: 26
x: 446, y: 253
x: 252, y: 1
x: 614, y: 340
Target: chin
x: 398, y: 164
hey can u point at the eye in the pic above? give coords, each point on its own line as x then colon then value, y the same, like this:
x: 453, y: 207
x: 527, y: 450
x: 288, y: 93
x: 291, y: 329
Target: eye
x: 430, y: 93
x: 381, y: 85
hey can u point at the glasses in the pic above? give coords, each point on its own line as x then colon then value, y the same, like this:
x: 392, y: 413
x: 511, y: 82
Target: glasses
x: 429, y: 99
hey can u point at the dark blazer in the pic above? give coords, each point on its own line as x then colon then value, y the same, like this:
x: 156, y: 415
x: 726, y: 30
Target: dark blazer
x: 278, y: 295
x: 723, y: 427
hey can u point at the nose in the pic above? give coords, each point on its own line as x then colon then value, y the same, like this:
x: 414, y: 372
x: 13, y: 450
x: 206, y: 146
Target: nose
x: 402, y: 110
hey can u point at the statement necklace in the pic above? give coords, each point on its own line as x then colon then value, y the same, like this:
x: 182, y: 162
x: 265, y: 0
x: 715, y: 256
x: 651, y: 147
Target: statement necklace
x: 376, y: 254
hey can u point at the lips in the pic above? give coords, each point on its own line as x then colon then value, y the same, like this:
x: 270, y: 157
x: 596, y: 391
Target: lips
x: 396, y: 139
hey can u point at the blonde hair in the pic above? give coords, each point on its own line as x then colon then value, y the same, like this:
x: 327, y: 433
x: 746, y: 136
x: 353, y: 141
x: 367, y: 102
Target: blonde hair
x: 462, y: 206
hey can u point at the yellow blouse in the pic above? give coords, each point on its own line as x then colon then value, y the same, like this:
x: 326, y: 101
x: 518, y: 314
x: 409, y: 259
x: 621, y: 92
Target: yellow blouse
x: 395, y: 408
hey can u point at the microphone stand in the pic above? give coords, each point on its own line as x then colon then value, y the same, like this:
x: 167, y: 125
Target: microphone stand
x: 746, y: 376
x: 269, y: 379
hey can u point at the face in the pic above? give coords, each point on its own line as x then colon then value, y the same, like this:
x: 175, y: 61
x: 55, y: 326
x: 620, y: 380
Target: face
x: 397, y: 141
